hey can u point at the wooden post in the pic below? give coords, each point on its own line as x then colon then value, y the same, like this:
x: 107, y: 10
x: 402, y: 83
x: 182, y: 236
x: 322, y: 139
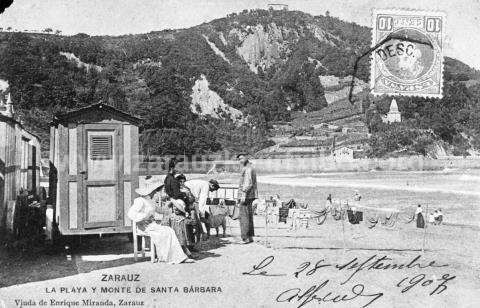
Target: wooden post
x: 343, y: 230
x: 425, y: 230
x: 266, y: 223
x: 230, y: 222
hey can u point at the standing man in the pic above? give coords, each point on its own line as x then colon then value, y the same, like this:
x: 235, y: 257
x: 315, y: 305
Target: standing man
x: 247, y: 192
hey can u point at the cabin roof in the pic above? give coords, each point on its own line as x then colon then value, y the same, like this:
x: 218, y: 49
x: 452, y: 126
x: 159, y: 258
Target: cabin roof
x: 4, y: 118
x: 100, y: 106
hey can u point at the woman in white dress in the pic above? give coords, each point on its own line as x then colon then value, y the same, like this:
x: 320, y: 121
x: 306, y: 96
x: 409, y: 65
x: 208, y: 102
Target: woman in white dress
x: 143, y: 212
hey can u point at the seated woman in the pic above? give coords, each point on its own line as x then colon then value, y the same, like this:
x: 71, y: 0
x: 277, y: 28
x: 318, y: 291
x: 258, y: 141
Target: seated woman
x: 178, y: 221
x: 194, y: 227
x: 142, y: 212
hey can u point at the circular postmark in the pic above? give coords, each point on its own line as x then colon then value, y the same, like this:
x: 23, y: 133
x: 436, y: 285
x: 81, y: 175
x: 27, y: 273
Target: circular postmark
x: 408, y: 56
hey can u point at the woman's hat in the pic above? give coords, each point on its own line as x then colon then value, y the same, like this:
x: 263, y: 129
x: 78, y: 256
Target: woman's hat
x: 179, y: 204
x: 148, y: 187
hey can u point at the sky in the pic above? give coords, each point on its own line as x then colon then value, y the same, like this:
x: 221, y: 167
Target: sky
x: 116, y: 17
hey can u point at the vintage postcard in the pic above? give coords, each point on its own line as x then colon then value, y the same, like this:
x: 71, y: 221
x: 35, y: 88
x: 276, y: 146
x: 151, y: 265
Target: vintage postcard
x: 239, y: 153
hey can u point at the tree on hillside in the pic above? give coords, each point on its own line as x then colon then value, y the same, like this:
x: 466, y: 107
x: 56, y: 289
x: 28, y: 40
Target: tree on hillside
x: 300, y: 82
x: 153, y: 75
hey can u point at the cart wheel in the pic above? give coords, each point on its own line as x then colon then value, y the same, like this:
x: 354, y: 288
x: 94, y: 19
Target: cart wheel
x: 321, y: 219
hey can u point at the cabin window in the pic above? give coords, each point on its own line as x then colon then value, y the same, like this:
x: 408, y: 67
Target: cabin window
x: 101, y: 147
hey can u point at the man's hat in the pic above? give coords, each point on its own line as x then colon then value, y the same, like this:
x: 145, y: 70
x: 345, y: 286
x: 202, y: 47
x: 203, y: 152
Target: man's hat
x: 242, y: 154
x: 215, y: 184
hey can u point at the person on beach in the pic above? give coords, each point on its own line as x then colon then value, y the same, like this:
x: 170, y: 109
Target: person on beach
x: 200, y: 190
x: 438, y: 217
x: 171, y: 184
x: 419, y: 217
x: 178, y: 221
x: 247, y: 192
x: 277, y: 200
x: 357, y: 196
x: 142, y: 213
x: 194, y: 228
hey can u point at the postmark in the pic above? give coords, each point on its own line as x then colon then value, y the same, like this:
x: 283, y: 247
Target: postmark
x: 408, y: 59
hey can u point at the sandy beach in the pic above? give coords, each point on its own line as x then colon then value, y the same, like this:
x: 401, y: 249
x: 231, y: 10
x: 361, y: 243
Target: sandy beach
x: 287, y: 263
x: 314, y: 266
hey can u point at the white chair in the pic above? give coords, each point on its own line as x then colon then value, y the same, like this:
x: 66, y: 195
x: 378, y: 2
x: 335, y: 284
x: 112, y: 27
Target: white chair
x: 143, y: 235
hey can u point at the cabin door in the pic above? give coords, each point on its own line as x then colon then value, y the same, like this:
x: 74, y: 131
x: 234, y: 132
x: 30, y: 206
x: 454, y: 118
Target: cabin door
x: 103, y: 167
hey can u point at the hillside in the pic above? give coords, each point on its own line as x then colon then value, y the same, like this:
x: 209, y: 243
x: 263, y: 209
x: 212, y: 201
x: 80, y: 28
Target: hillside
x: 214, y: 86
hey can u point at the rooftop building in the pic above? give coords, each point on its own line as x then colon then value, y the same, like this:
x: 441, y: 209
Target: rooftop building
x: 393, y: 114
x: 277, y: 6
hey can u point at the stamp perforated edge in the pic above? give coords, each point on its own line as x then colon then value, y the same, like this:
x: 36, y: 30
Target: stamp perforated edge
x: 374, y: 13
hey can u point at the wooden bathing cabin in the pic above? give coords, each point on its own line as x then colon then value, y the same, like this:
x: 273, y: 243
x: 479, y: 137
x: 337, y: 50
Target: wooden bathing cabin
x: 93, y: 170
x: 19, y: 162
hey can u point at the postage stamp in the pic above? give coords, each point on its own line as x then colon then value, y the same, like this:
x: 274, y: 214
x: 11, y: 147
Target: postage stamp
x: 408, y: 55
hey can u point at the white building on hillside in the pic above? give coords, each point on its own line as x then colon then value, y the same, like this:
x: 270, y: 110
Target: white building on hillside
x: 393, y: 114
x: 277, y: 6
x: 343, y: 153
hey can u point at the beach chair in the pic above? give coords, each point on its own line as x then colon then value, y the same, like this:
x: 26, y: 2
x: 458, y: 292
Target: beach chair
x: 139, y: 233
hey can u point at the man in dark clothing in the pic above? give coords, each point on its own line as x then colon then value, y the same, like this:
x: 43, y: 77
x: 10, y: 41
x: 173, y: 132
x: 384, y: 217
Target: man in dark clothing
x: 172, y: 185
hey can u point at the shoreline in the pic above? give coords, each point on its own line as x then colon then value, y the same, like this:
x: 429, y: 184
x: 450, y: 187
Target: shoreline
x: 319, y: 165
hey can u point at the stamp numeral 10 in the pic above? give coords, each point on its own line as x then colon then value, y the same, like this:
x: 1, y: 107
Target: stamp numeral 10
x: 385, y: 23
x: 433, y: 24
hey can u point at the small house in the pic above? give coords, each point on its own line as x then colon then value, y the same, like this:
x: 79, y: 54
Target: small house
x: 343, y: 153
x: 93, y: 169
x: 277, y: 7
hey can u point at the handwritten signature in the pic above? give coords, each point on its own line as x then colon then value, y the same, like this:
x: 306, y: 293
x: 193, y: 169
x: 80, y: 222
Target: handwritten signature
x: 319, y: 292
x: 311, y: 294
